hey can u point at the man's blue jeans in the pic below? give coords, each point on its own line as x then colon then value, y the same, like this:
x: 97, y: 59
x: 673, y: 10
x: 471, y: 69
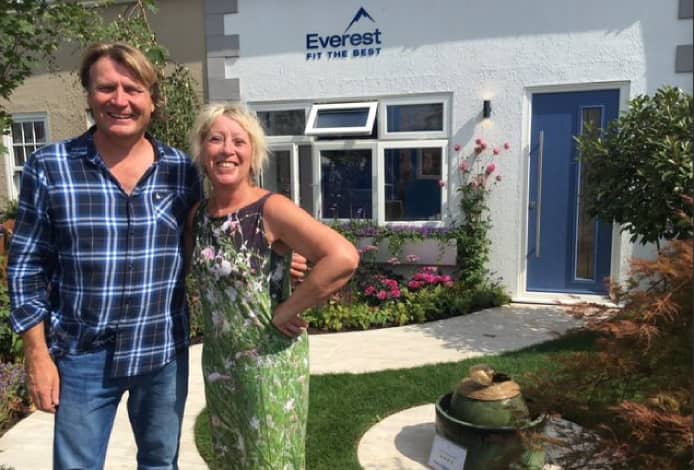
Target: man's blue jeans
x: 88, y: 403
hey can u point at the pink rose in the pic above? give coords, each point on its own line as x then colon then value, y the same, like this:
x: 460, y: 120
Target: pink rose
x: 442, y: 183
x: 496, y: 151
x: 457, y: 147
x: 507, y: 146
x: 464, y: 166
x: 382, y: 295
x: 498, y: 177
x: 490, y: 168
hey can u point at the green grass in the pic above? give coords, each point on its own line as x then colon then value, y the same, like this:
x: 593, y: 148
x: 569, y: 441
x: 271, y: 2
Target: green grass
x: 342, y: 407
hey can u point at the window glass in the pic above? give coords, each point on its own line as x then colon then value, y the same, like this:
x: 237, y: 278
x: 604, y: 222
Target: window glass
x: 306, y: 178
x: 286, y: 122
x: 346, y: 184
x: 340, y: 119
x: 586, y: 227
x: 412, y: 177
x: 415, y: 117
x: 277, y: 175
x: 329, y: 118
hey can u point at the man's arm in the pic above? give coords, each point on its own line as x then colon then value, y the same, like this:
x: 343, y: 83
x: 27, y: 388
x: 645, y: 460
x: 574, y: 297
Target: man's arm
x: 31, y: 259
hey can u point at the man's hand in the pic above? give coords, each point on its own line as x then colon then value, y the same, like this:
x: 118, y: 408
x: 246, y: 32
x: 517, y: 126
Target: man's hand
x: 294, y: 327
x: 43, y: 381
x: 298, y: 268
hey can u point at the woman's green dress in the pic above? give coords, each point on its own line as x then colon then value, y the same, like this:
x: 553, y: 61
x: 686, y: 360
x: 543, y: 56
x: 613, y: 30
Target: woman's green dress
x: 256, y: 378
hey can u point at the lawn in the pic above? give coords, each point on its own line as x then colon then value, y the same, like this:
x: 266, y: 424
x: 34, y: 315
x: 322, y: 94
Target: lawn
x: 342, y: 407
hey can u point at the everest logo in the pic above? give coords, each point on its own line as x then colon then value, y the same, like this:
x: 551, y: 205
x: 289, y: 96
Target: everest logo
x: 348, y: 44
x: 360, y: 14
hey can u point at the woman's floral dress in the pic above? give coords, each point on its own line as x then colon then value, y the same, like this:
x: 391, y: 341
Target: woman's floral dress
x: 256, y: 378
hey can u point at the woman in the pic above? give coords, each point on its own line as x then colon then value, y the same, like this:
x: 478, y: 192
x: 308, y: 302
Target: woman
x: 255, y: 353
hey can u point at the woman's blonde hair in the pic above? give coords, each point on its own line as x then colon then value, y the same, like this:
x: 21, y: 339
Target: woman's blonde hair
x: 247, y: 120
x: 129, y: 57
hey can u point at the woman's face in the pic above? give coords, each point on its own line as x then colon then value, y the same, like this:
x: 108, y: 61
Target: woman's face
x: 227, y: 153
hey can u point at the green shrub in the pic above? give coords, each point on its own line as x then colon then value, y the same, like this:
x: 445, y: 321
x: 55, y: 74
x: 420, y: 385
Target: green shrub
x: 427, y: 304
x: 10, y: 343
x: 14, y: 398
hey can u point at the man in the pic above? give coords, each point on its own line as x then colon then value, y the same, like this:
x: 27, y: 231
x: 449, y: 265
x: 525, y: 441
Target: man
x: 96, y: 261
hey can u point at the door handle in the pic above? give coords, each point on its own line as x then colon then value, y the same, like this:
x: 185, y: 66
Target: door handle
x: 538, y: 214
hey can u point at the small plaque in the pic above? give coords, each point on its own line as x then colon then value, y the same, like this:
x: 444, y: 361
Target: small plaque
x: 445, y: 455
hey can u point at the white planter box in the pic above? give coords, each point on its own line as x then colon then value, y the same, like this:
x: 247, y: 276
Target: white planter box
x: 429, y: 252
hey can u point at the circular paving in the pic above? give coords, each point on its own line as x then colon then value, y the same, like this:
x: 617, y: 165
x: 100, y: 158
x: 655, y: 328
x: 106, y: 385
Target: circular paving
x: 403, y: 441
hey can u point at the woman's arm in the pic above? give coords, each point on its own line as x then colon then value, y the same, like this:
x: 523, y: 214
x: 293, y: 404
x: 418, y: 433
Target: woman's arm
x: 333, y: 257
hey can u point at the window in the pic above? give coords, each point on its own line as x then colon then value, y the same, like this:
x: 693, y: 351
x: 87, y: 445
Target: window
x: 27, y: 133
x: 346, y: 190
x: 416, y: 118
x: 341, y: 119
x: 383, y: 160
x: 413, y: 189
x: 283, y: 122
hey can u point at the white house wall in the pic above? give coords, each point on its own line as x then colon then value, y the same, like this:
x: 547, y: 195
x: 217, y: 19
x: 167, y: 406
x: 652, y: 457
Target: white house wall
x: 496, y: 50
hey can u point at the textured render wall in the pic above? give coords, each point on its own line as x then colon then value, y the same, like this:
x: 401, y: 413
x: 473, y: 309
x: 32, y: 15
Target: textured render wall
x: 494, y: 50
x: 179, y: 25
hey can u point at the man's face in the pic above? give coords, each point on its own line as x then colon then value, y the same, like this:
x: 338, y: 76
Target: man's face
x: 121, y: 105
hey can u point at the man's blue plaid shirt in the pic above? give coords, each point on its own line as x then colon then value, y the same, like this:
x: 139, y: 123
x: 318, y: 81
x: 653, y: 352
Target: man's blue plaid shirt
x: 100, y: 265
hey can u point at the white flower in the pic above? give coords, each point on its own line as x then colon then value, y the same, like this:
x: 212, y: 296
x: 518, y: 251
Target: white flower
x: 255, y: 423
x: 289, y: 406
x: 224, y: 268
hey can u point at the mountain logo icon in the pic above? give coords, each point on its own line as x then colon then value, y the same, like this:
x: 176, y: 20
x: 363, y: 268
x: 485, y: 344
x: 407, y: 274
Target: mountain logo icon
x: 360, y: 14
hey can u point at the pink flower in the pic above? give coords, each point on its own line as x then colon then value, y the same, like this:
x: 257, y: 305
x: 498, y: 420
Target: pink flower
x: 382, y: 295
x: 498, y: 177
x: 394, y: 260
x: 464, y: 166
x: 496, y: 151
x: 490, y: 168
x: 370, y: 290
x: 507, y: 146
x: 483, y: 145
x: 442, y: 183
x: 457, y: 147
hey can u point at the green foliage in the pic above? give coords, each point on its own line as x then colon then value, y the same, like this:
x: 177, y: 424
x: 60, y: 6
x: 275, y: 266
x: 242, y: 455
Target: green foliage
x: 472, y: 235
x: 431, y: 303
x: 14, y: 397
x: 30, y: 33
x: 180, y: 103
x: 10, y: 343
x: 639, y: 173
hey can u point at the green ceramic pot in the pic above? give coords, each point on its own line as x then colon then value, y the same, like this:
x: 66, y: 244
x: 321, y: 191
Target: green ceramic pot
x: 493, y: 448
x: 508, y: 412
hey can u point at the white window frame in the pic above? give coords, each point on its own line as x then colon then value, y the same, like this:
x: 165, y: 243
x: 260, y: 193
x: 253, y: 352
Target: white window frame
x: 293, y: 150
x: 10, y: 168
x: 317, y: 177
x: 284, y: 106
x: 381, y: 180
x: 400, y: 101
x: 366, y: 129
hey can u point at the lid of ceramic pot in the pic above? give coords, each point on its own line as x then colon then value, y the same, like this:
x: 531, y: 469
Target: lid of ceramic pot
x: 486, y: 384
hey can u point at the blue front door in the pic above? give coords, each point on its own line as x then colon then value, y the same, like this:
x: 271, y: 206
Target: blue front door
x: 568, y: 251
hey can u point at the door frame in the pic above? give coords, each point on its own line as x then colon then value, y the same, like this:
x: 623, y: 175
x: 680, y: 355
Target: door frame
x: 617, y: 261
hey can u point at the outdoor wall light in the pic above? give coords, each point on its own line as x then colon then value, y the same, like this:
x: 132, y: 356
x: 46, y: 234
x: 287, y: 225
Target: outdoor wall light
x: 486, y: 109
